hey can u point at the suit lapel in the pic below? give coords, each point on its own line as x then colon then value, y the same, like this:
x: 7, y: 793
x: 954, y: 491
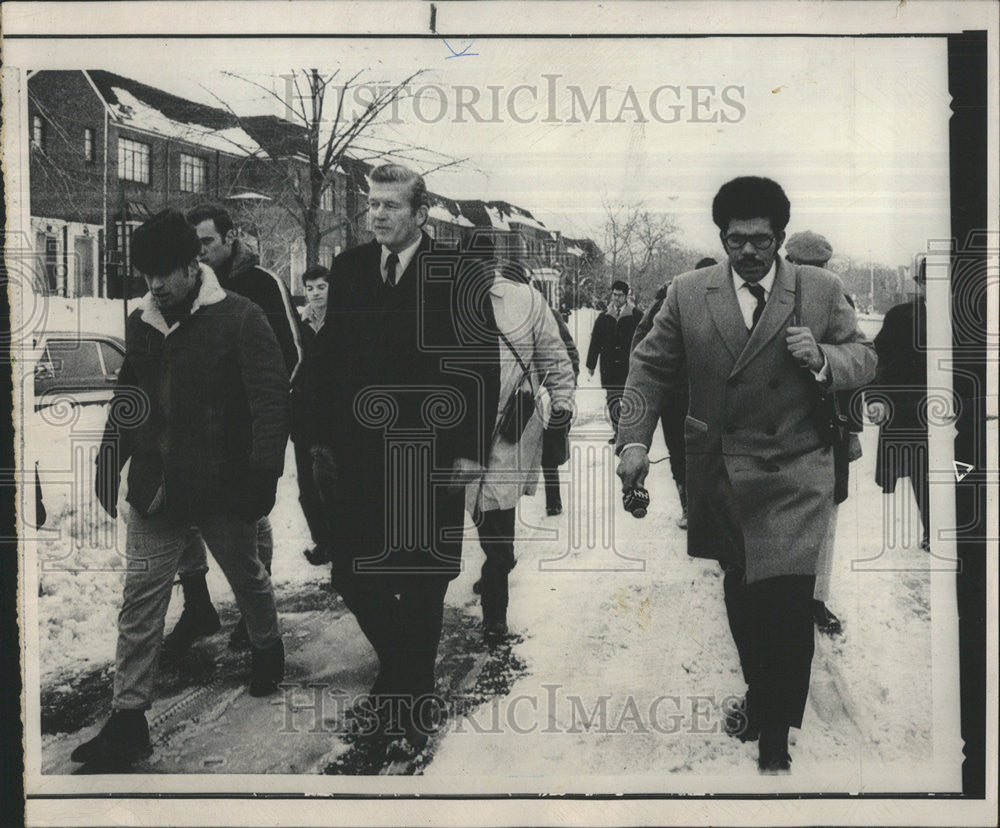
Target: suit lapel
x: 774, y: 320
x: 411, y: 269
x: 369, y: 279
x: 725, y: 310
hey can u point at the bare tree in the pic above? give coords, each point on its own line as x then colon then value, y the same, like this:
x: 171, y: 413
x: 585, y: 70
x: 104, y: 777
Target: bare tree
x: 620, y: 238
x: 328, y: 125
x: 643, y: 248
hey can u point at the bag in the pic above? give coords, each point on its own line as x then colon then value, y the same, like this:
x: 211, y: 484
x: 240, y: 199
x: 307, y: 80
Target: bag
x: 520, y: 406
x: 514, y: 419
x: 830, y: 422
x: 832, y: 425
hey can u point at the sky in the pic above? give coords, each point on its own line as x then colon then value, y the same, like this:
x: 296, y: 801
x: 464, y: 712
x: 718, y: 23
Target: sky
x: 854, y: 129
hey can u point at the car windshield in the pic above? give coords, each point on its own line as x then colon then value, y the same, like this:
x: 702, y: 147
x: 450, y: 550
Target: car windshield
x: 73, y: 358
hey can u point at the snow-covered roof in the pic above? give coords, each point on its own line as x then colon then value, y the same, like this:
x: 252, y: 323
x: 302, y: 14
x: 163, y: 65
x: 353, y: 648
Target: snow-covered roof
x: 128, y: 109
x: 441, y: 214
x: 248, y: 195
x: 496, y: 218
x: 504, y: 214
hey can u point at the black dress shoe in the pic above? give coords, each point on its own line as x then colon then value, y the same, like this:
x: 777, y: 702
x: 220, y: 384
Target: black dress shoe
x: 318, y: 555
x: 123, y: 739
x: 552, y: 511
x: 773, y: 757
x: 740, y: 722
x: 826, y: 622
x: 494, y: 631
x: 774, y: 765
x: 267, y: 668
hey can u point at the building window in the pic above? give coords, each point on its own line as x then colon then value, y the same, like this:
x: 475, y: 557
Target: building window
x: 88, y: 144
x: 326, y: 198
x: 52, y: 262
x: 37, y: 131
x: 133, y: 160
x: 193, y: 173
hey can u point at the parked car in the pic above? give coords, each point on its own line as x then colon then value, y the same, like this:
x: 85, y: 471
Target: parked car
x: 81, y: 367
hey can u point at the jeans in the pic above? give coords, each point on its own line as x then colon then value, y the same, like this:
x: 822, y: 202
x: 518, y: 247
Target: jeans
x: 194, y: 561
x: 154, y: 548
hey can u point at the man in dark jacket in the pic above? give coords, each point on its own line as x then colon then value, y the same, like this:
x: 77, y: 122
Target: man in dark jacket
x: 405, y: 384
x: 611, y: 342
x: 897, y: 395
x: 316, y: 284
x: 238, y: 269
x: 201, y: 413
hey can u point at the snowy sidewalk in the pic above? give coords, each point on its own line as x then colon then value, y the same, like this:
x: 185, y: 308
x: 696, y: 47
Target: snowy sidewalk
x: 626, y: 649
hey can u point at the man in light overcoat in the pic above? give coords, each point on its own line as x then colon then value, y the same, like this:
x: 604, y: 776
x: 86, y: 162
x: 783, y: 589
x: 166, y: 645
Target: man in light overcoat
x: 757, y: 338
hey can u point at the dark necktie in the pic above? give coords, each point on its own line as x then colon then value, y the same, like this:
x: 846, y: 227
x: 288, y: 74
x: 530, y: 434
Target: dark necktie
x: 758, y: 294
x: 391, y: 263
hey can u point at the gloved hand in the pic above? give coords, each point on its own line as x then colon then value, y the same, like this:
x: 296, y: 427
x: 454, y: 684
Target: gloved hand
x: 256, y: 498
x: 324, y: 470
x: 107, y: 478
x: 560, y: 419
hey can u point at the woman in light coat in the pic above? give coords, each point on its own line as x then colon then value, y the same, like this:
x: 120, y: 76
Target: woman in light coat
x: 535, y: 362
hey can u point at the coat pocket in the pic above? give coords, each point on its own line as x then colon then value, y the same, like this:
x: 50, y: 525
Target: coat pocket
x: 693, y: 424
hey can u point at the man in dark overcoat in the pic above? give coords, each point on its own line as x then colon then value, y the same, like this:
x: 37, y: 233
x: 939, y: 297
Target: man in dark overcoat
x: 755, y: 336
x: 405, y: 382
x: 611, y: 344
x: 897, y: 399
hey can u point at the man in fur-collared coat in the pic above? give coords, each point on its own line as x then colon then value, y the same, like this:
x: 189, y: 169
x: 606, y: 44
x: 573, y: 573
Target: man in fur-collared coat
x: 759, y: 478
x: 201, y: 415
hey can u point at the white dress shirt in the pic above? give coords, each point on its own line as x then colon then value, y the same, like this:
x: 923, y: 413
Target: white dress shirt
x: 748, y: 302
x: 405, y: 257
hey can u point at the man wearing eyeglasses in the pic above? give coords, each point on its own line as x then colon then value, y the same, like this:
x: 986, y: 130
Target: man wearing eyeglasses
x: 755, y: 336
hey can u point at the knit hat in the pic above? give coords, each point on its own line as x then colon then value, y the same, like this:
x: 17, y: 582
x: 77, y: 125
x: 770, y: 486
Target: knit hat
x: 808, y: 248
x: 164, y: 243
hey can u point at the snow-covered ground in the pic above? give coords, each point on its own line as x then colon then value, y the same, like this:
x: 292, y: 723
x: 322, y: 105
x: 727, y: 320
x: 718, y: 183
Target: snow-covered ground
x: 626, y: 642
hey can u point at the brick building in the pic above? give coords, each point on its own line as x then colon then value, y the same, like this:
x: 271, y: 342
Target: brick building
x: 107, y: 152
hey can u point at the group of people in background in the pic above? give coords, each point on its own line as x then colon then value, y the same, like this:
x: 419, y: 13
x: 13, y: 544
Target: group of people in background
x: 420, y: 383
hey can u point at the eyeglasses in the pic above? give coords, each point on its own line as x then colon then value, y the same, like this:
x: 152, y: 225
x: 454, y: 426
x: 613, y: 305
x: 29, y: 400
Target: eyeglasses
x: 761, y: 241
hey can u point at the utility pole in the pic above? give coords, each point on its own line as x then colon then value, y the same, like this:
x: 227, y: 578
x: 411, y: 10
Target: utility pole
x: 871, y: 285
x: 125, y: 251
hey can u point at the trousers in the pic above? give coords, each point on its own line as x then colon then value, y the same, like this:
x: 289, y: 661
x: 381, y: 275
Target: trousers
x: 309, y: 496
x: 401, y: 617
x: 772, y: 626
x: 194, y: 561
x: 154, y: 547
x: 496, y: 536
